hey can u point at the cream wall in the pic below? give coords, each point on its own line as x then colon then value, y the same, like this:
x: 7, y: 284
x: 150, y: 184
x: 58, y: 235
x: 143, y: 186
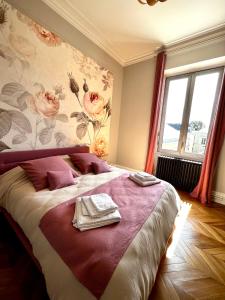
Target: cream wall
x: 195, y: 55
x: 219, y: 178
x: 135, y: 112
x: 42, y: 14
x: 136, y: 105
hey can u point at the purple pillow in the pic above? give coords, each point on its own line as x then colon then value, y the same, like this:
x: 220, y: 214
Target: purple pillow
x: 83, y: 161
x: 59, y: 179
x: 100, y: 167
x: 37, y: 169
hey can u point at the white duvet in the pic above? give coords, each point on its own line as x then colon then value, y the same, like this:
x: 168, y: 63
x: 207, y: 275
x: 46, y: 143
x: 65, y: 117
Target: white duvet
x: 134, y: 276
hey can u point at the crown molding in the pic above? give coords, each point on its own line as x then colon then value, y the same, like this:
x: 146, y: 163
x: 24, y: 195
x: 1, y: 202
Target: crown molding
x: 80, y: 22
x: 192, y: 42
x: 87, y: 28
x: 195, y: 41
x: 139, y: 58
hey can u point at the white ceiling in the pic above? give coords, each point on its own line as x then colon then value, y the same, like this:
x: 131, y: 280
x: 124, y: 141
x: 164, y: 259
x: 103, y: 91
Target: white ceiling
x: 129, y: 31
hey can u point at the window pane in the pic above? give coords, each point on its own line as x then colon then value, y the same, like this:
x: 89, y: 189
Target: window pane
x: 201, y: 111
x: 174, y: 112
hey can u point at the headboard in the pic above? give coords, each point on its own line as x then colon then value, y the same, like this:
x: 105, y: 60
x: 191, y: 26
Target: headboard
x: 9, y: 160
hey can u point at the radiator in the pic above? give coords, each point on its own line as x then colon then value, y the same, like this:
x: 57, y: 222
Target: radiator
x: 181, y: 173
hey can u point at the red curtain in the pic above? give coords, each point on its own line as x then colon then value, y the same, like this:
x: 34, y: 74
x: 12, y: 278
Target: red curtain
x: 216, y: 138
x: 156, y: 109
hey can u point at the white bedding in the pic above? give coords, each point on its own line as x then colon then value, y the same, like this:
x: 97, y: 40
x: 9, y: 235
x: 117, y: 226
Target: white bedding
x: 134, y: 276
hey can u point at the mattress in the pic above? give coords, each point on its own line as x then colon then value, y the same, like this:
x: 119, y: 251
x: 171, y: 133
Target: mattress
x: 135, y: 274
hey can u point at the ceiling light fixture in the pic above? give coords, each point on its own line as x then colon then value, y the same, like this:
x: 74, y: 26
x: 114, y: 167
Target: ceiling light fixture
x: 150, y: 2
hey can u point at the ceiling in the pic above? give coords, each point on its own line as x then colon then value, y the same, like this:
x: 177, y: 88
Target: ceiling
x: 131, y: 32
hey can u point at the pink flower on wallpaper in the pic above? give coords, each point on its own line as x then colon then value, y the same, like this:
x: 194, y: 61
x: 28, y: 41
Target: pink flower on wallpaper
x: 94, y: 104
x: 99, y: 147
x: 48, y: 37
x: 45, y: 104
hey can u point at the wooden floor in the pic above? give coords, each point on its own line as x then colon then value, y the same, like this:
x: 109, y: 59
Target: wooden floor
x: 194, y: 267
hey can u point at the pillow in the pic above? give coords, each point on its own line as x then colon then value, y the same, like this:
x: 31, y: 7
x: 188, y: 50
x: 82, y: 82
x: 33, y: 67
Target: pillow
x: 37, y: 169
x: 83, y: 161
x: 59, y: 179
x: 100, y: 167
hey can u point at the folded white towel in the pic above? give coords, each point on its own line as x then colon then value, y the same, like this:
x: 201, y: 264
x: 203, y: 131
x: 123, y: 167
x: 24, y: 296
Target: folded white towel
x: 143, y: 183
x: 103, y: 202
x: 145, y: 176
x: 83, y: 222
x: 88, y: 208
x: 84, y: 209
x: 91, y: 208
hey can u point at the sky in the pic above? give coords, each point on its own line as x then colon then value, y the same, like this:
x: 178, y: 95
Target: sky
x: 202, y: 103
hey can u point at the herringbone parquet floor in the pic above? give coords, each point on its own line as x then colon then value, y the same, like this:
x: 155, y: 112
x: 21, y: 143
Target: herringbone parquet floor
x: 194, y: 267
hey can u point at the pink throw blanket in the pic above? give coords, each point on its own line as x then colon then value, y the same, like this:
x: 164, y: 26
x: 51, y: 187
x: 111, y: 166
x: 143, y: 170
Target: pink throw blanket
x: 93, y: 255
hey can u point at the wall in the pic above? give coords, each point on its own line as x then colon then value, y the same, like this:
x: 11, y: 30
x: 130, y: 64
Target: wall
x: 136, y: 105
x: 130, y: 127
x: 195, y: 55
x: 135, y: 112
x: 42, y: 14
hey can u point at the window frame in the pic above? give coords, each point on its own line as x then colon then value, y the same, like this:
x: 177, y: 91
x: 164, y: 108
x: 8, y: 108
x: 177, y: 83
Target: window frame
x: 180, y: 153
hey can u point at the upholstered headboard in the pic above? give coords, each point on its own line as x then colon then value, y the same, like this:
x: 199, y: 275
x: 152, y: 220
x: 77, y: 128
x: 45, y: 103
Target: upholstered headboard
x: 9, y: 160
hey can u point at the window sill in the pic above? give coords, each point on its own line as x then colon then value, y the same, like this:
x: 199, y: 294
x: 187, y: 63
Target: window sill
x: 196, y: 158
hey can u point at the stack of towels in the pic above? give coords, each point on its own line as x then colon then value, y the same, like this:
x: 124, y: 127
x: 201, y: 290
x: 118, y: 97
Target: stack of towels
x: 95, y: 211
x: 144, y: 179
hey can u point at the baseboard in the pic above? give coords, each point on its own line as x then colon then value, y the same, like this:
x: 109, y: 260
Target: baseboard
x: 124, y: 167
x: 218, y: 197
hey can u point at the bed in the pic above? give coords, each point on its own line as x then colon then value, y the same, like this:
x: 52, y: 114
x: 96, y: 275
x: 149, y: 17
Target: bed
x: 134, y: 275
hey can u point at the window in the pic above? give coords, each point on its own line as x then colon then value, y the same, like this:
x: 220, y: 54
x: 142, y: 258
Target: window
x: 187, y: 112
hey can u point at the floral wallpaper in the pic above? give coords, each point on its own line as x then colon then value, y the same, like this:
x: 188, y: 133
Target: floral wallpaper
x: 51, y: 95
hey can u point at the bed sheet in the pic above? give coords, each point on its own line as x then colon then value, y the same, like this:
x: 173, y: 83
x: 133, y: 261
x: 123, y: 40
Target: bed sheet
x: 134, y: 275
